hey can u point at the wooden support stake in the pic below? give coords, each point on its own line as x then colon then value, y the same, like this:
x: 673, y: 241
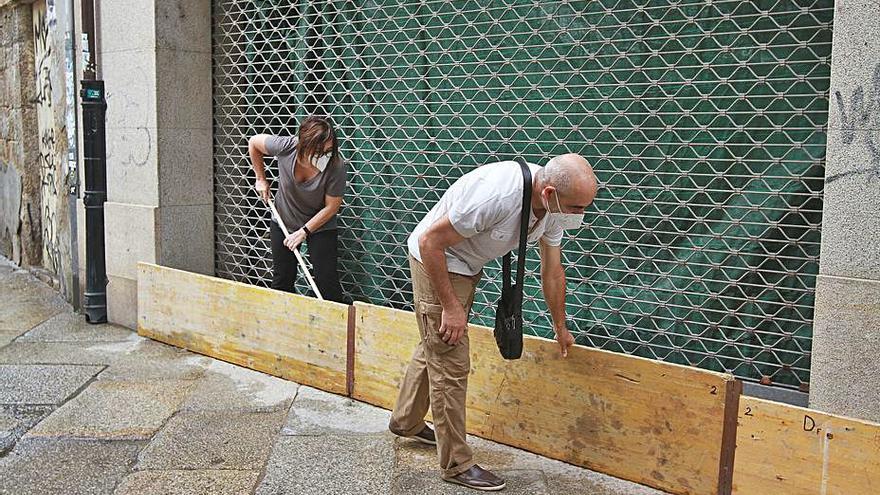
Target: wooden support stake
x: 350, y: 352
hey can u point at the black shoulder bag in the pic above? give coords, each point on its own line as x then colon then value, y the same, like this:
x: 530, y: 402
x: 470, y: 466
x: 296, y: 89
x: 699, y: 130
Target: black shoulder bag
x: 508, y: 316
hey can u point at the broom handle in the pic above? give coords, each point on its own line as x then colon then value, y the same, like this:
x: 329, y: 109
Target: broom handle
x: 299, y: 257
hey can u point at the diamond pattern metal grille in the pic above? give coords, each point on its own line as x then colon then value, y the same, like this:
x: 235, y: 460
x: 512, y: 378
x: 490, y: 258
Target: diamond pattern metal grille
x: 705, y: 121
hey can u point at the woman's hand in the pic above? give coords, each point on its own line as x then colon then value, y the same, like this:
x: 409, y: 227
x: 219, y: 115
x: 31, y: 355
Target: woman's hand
x: 295, y: 239
x: 262, y: 187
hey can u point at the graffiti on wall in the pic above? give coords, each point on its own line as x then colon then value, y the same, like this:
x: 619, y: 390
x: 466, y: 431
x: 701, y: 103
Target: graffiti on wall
x: 49, y: 159
x: 859, y: 115
x: 135, y: 146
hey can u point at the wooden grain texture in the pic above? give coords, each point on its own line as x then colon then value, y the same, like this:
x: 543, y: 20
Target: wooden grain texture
x: 286, y: 335
x: 655, y: 423
x: 783, y: 449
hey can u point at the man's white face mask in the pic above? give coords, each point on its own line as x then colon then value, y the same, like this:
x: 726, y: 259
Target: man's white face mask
x: 568, y: 221
x: 320, y: 162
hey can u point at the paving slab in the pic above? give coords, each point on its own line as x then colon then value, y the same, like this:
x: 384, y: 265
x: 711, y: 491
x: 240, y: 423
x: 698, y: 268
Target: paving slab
x: 213, y: 482
x: 152, y: 361
x: 330, y: 464
x: 8, y: 335
x: 417, y: 470
x: 42, y: 384
x: 27, y: 302
x: 517, y: 465
x: 16, y: 420
x: 72, y: 327
x: 213, y: 440
x: 103, y: 353
x: 69, y: 467
x: 429, y: 482
x: 594, y: 484
x: 115, y: 410
x: 561, y: 477
x: 227, y: 387
x: 315, y: 412
x: 21, y: 320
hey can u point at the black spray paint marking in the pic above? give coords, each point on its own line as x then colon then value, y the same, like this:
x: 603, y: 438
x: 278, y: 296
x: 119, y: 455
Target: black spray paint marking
x: 862, y: 112
x: 48, y: 141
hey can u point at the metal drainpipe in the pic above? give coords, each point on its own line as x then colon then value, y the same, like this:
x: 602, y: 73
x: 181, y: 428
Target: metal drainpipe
x: 94, y: 107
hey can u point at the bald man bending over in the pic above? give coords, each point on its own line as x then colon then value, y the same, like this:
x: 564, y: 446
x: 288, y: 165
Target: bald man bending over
x: 477, y: 220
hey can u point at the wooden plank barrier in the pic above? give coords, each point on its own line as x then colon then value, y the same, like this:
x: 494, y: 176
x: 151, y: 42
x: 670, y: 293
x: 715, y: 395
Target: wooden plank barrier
x: 790, y: 450
x: 667, y: 426
x: 286, y: 335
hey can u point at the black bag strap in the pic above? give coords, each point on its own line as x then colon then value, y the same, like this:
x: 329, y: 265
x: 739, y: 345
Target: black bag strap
x: 523, y: 232
x: 524, y: 222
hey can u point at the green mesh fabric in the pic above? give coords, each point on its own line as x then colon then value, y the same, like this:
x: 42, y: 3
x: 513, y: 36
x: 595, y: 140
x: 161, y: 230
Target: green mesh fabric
x: 704, y: 120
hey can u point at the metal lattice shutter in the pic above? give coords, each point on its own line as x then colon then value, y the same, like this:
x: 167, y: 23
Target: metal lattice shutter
x: 705, y: 122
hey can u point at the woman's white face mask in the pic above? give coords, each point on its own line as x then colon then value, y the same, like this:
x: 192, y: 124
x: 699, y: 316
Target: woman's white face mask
x: 568, y: 221
x: 321, y: 162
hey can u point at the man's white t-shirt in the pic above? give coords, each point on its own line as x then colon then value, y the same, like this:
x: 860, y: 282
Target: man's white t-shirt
x: 485, y: 207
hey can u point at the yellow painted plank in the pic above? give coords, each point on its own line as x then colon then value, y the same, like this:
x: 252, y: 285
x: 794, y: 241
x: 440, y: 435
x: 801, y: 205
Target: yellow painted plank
x: 663, y: 425
x: 783, y: 449
x: 384, y: 344
x: 286, y: 335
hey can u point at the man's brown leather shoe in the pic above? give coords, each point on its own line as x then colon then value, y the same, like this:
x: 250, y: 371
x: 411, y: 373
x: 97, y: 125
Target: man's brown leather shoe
x: 478, y: 479
x: 426, y: 436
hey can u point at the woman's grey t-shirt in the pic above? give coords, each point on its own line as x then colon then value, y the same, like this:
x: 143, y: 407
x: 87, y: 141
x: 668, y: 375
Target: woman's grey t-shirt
x: 297, y: 202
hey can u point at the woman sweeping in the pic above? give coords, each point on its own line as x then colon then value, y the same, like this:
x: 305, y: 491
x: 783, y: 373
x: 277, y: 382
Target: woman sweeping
x: 311, y: 184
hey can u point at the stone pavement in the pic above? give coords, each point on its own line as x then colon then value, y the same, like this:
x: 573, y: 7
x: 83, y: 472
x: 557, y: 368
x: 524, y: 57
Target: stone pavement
x: 94, y: 409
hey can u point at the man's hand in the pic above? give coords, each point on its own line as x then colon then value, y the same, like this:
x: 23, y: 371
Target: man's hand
x: 453, y: 324
x: 262, y: 187
x: 565, y: 339
x: 295, y: 239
